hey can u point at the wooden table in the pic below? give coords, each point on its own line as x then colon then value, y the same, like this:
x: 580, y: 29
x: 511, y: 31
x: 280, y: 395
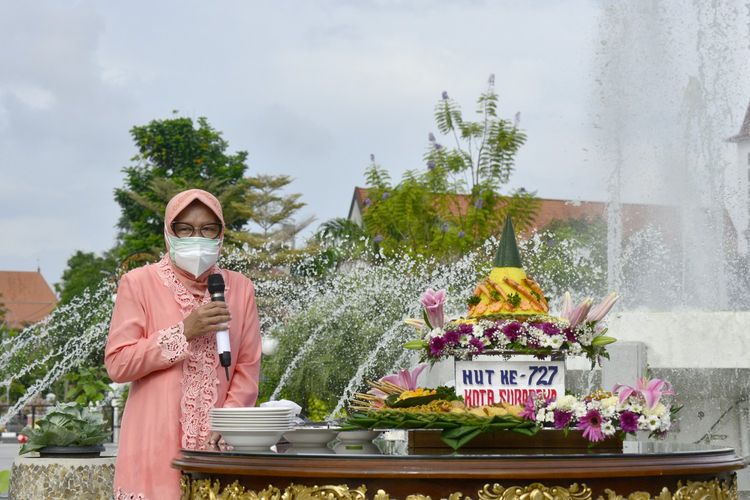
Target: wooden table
x: 641, y: 471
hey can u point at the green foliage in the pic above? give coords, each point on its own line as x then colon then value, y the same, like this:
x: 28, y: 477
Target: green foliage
x: 85, y: 270
x: 457, y: 202
x: 4, y: 480
x: 66, y: 425
x: 458, y: 429
x: 174, y: 155
x: 86, y: 384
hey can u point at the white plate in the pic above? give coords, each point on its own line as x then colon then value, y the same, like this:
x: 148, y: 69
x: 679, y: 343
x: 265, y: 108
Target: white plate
x: 221, y: 429
x: 251, y: 410
x: 245, y: 422
x: 300, y: 438
x: 255, y: 439
x: 256, y: 420
x: 358, y: 436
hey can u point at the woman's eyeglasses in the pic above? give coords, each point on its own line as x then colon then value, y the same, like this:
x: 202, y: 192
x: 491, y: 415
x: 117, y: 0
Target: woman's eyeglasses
x: 185, y: 230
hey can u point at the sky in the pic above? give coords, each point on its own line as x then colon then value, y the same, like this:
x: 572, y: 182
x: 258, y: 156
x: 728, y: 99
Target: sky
x: 308, y: 89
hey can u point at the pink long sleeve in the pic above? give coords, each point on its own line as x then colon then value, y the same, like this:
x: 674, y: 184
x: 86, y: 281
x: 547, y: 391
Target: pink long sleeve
x: 132, y: 352
x: 243, y: 389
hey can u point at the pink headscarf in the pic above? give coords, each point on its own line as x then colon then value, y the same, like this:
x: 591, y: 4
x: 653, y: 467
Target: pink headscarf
x: 178, y: 203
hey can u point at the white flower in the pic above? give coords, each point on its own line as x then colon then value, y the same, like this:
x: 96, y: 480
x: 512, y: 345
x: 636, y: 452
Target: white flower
x: 580, y: 409
x: 540, y: 415
x: 609, y: 405
x: 436, y: 332
x: 566, y: 402
x: 636, y: 408
x: 556, y: 341
x: 666, y: 423
x: 643, y: 423
x: 550, y: 417
x: 575, y: 349
x: 653, y: 423
x: 657, y: 410
x: 477, y: 331
x: 608, y: 429
x: 464, y: 340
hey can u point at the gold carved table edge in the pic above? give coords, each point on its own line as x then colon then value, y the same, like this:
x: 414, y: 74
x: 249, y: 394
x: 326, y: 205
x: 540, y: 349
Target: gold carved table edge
x: 207, y: 489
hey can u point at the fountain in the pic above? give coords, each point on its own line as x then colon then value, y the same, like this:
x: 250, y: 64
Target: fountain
x: 670, y: 92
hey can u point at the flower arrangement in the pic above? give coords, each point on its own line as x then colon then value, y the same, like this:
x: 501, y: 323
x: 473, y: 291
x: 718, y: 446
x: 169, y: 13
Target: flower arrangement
x: 577, y: 332
x: 602, y: 415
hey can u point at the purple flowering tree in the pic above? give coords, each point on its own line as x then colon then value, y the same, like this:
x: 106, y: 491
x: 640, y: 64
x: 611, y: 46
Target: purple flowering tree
x: 433, y: 210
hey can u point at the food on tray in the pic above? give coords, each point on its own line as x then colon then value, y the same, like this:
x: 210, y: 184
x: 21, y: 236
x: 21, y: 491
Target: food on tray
x: 508, y: 291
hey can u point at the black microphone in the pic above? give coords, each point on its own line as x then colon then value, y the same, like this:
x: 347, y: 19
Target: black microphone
x: 216, y: 289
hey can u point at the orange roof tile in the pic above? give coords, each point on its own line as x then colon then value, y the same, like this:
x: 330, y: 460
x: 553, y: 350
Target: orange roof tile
x: 26, y: 297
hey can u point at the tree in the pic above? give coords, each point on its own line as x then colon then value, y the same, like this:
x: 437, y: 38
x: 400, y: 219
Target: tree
x: 457, y: 201
x: 84, y: 270
x: 174, y: 155
x: 273, y: 212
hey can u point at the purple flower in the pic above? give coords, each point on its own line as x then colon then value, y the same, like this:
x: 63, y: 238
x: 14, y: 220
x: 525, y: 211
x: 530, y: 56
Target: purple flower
x: 367, y: 202
x: 529, y: 408
x: 477, y: 344
x: 431, y: 137
x: 372, y: 157
x: 548, y: 328
x: 491, y: 79
x: 479, y: 203
x: 445, y: 95
x: 465, y: 328
x: 437, y: 146
x: 385, y: 195
x: 451, y: 337
x: 490, y: 332
x: 629, y: 421
x: 444, y: 227
x: 570, y: 334
x: 562, y: 418
x: 433, y: 303
x: 378, y: 238
x: 512, y: 330
x: 431, y: 165
x: 591, y: 425
x: 437, y: 344
x: 461, y: 234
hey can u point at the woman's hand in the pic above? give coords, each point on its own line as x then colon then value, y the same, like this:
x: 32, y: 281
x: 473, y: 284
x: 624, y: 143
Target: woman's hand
x: 216, y: 441
x: 210, y: 317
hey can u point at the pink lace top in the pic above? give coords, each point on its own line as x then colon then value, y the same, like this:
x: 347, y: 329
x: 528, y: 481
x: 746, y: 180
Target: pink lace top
x: 175, y: 382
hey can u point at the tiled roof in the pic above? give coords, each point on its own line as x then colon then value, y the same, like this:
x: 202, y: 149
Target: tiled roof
x: 26, y: 297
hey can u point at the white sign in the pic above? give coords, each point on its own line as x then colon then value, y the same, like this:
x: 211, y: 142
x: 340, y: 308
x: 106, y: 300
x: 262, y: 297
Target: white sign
x: 487, y: 382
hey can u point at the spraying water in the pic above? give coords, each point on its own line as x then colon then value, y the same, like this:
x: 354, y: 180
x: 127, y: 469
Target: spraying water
x: 669, y: 94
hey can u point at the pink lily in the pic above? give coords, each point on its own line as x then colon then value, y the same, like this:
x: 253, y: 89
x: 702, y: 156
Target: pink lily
x: 406, y: 379
x: 418, y: 324
x: 598, y: 312
x: 433, y: 303
x: 567, y: 305
x: 651, y: 390
x: 579, y: 313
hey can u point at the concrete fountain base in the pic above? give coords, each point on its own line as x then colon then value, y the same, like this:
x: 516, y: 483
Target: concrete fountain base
x: 706, y: 356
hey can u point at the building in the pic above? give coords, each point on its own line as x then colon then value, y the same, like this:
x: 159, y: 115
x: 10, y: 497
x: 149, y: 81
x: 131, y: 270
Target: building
x: 738, y: 180
x: 26, y: 297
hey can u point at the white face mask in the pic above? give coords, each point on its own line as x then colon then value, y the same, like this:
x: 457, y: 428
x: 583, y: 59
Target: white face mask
x: 195, y: 255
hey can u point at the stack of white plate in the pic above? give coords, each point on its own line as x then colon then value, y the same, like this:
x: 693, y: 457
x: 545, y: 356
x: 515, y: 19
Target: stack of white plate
x: 251, y: 428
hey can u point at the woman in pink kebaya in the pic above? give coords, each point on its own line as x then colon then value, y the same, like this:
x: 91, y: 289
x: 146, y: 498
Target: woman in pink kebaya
x: 162, y: 340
